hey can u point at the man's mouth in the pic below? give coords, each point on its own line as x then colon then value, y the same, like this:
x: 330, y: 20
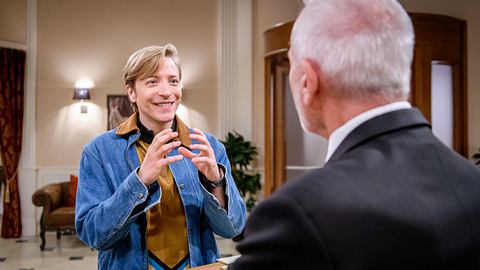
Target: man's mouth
x: 165, y: 104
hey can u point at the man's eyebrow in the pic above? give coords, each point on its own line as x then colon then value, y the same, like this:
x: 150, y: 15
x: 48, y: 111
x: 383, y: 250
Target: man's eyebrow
x: 149, y: 77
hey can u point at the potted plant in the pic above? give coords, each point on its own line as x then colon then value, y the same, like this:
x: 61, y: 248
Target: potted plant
x: 241, y: 153
x: 476, y: 157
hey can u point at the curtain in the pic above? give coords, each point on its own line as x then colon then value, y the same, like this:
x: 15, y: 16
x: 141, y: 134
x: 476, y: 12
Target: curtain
x: 12, y: 72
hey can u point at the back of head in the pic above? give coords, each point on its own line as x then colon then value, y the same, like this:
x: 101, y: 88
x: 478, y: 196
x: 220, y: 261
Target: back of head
x: 363, y: 47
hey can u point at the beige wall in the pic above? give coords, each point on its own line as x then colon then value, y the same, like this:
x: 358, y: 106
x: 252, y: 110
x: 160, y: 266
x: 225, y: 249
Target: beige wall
x: 13, y: 21
x: 93, y: 39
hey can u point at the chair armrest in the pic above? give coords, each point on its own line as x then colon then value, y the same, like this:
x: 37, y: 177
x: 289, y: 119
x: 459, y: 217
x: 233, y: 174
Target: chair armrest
x: 48, y: 196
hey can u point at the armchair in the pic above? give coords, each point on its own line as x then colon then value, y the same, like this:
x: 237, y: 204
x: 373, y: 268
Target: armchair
x: 56, y: 215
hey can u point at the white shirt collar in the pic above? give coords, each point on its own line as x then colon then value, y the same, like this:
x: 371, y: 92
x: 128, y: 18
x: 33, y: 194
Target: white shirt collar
x: 342, y: 132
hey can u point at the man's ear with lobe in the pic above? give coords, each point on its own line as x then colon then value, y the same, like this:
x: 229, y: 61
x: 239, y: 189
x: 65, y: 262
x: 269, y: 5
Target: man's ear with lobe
x: 132, y: 95
x: 309, y: 81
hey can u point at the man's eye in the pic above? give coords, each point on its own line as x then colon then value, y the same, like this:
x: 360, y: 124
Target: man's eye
x: 150, y: 82
x: 174, y: 81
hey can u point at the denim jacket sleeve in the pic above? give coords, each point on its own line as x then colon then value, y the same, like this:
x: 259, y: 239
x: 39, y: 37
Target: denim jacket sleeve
x: 226, y: 223
x: 106, y: 207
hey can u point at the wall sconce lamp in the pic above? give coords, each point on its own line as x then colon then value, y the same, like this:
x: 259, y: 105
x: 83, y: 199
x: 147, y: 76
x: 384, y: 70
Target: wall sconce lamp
x: 82, y: 94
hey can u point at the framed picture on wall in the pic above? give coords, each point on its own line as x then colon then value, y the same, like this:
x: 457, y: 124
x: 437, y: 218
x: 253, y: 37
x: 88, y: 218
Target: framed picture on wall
x: 119, y: 109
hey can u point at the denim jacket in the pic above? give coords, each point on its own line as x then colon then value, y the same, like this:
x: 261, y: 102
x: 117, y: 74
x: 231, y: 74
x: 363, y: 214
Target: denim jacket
x: 110, y: 213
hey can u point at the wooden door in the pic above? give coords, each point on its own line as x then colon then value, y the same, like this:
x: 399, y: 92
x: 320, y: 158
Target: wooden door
x: 276, y: 72
x: 441, y: 40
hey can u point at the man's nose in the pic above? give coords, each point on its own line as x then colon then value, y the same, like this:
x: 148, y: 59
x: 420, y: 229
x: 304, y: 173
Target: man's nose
x: 165, y: 89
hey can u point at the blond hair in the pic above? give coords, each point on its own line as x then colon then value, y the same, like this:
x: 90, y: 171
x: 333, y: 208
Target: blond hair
x: 146, y: 61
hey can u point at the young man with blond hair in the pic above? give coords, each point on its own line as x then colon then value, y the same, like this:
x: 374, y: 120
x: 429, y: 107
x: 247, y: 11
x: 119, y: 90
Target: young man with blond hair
x: 153, y: 191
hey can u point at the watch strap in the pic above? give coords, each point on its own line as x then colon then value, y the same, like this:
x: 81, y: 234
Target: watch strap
x: 210, y: 185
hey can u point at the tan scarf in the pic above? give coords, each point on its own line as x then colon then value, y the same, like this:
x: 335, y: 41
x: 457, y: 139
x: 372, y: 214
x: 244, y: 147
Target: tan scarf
x: 167, y: 240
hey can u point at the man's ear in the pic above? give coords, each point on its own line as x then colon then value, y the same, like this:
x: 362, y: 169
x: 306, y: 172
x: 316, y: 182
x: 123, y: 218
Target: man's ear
x: 132, y: 95
x: 309, y: 81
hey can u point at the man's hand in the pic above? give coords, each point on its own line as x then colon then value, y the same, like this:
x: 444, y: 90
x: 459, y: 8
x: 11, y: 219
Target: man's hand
x: 155, y: 160
x: 205, y: 160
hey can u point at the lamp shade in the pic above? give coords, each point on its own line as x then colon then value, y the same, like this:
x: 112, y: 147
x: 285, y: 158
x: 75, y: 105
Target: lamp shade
x: 81, y: 93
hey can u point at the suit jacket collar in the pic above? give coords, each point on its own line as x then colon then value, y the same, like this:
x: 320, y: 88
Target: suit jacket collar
x: 385, y: 123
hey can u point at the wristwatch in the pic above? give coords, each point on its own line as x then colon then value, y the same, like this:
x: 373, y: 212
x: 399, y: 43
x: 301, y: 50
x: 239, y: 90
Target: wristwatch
x: 210, y: 185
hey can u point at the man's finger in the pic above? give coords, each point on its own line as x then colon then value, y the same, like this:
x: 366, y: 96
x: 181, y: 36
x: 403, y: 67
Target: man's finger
x: 203, y: 160
x: 162, y: 138
x: 200, y: 147
x: 185, y: 152
x: 167, y: 148
x: 199, y: 132
x: 200, y: 136
x: 171, y: 159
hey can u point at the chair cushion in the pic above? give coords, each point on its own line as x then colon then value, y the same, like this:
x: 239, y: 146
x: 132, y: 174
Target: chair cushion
x: 61, y: 216
x: 72, y: 191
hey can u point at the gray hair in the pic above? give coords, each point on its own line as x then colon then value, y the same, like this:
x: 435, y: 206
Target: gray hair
x: 364, y: 47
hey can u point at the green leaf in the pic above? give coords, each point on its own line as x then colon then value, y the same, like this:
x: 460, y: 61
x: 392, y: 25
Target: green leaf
x: 241, y: 154
x: 476, y: 157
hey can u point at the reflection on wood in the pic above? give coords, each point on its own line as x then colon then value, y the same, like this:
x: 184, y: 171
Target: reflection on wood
x: 213, y: 266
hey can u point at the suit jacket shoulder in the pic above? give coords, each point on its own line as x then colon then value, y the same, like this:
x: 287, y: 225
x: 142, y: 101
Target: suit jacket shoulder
x: 391, y: 197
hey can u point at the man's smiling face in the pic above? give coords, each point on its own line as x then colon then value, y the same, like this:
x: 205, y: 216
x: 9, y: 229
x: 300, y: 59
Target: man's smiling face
x: 158, y: 96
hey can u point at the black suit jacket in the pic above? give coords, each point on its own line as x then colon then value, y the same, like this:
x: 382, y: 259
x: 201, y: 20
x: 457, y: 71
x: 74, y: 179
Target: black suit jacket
x: 391, y: 197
